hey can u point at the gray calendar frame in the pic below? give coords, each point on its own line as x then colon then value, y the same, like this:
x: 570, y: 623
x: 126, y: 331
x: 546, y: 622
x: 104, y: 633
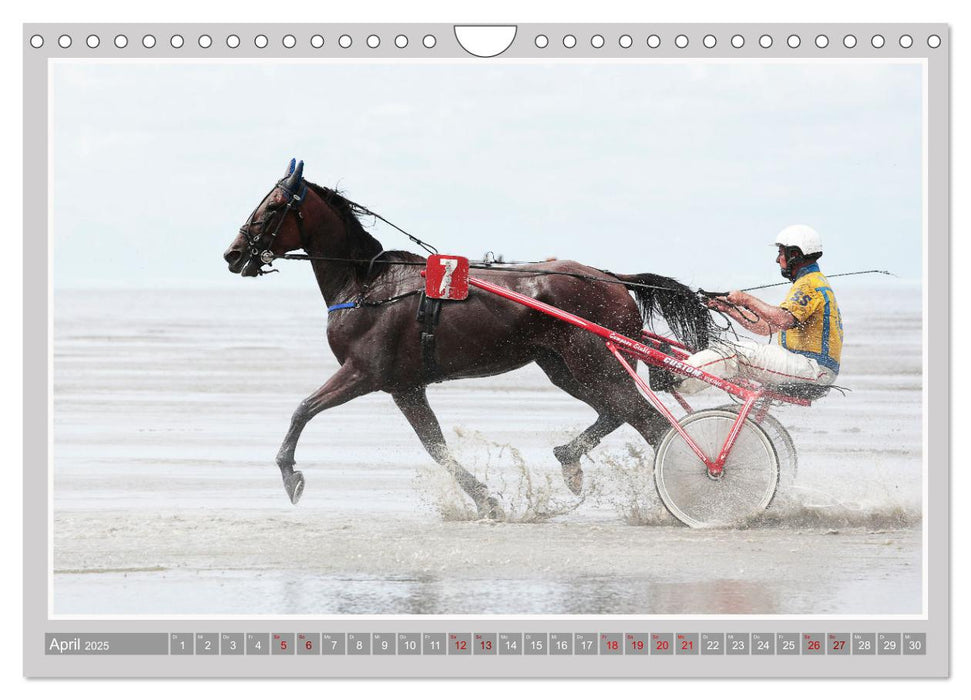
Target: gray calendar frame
x: 38, y: 627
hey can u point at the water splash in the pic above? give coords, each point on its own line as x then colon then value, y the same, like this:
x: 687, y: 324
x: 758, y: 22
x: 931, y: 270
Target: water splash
x: 525, y: 497
x: 625, y: 483
x: 811, y: 508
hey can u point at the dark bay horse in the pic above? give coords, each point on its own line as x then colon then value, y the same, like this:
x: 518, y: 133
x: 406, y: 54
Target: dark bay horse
x: 378, y: 345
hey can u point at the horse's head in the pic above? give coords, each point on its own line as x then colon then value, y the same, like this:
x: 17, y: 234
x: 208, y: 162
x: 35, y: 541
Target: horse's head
x: 275, y: 227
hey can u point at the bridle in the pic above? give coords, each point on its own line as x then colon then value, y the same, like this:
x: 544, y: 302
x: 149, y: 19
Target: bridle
x: 259, y: 244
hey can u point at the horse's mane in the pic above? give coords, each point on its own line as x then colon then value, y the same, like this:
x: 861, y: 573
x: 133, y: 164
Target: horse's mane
x: 364, y: 246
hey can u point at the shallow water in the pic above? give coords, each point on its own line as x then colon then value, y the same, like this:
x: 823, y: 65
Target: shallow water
x: 169, y: 409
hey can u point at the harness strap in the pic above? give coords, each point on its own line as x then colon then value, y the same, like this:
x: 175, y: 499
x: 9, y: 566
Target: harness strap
x: 345, y: 305
x: 429, y: 310
x: 359, y: 302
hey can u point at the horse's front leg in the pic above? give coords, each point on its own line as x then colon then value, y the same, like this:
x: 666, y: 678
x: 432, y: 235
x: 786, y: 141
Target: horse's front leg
x: 346, y: 384
x: 414, y: 405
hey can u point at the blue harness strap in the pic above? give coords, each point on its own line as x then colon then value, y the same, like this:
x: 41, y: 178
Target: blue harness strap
x: 345, y: 305
x: 361, y: 301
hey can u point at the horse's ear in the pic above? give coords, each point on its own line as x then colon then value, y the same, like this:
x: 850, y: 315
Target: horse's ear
x: 289, y: 172
x: 292, y: 179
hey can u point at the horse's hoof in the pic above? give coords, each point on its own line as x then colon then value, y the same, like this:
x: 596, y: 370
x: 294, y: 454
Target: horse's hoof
x: 490, y: 510
x: 294, y: 486
x: 573, y: 476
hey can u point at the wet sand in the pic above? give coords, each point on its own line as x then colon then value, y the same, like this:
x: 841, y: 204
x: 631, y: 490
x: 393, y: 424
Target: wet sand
x: 167, y: 499
x: 221, y: 563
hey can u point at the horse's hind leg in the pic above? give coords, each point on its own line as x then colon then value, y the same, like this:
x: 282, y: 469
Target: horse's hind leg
x: 414, y: 405
x: 569, y: 454
x: 346, y: 384
x: 609, y: 389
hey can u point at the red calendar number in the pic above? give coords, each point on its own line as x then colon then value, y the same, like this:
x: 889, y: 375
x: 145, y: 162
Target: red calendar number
x: 662, y: 645
x: 637, y: 644
x: 460, y: 644
x: 613, y: 645
x: 838, y: 644
x: 813, y: 645
x: 687, y: 645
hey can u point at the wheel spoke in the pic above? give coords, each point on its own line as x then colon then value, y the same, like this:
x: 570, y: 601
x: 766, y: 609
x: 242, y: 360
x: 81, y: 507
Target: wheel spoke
x: 747, y: 486
x: 785, y: 448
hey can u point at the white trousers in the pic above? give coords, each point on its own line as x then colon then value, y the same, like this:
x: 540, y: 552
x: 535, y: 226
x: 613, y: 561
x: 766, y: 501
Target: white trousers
x: 760, y: 362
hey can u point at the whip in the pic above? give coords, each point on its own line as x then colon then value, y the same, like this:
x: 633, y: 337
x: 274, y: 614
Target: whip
x: 706, y: 293
x: 841, y: 274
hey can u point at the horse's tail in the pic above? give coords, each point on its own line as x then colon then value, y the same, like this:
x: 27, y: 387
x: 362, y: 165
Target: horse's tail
x: 685, y: 313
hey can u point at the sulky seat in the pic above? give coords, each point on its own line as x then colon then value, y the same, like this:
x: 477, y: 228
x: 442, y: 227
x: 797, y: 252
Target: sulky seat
x: 809, y: 392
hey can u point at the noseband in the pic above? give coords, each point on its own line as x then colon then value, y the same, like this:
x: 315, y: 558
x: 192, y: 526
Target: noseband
x: 254, y: 241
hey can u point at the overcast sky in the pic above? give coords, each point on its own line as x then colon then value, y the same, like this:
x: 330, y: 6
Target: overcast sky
x: 683, y: 169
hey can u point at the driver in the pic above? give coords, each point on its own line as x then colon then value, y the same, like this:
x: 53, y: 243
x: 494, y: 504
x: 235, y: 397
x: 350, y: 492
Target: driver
x: 808, y: 322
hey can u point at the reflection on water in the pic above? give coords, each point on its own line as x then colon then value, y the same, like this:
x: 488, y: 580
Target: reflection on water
x: 286, y: 593
x: 714, y: 597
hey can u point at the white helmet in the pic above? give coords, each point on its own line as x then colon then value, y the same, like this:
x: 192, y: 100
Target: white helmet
x: 800, y: 236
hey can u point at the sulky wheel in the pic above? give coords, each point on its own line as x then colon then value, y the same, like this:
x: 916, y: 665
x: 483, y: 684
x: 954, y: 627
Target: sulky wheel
x: 785, y: 448
x: 745, y: 488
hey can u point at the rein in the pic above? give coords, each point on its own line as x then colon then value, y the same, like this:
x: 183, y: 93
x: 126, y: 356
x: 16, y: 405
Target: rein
x: 481, y: 265
x: 361, y: 209
x: 478, y: 265
x: 295, y: 199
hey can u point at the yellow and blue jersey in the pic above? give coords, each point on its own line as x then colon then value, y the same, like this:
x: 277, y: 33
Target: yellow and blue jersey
x: 818, y: 332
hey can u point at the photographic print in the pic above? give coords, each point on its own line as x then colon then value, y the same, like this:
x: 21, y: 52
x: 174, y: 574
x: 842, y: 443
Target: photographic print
x: 475, y: 479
